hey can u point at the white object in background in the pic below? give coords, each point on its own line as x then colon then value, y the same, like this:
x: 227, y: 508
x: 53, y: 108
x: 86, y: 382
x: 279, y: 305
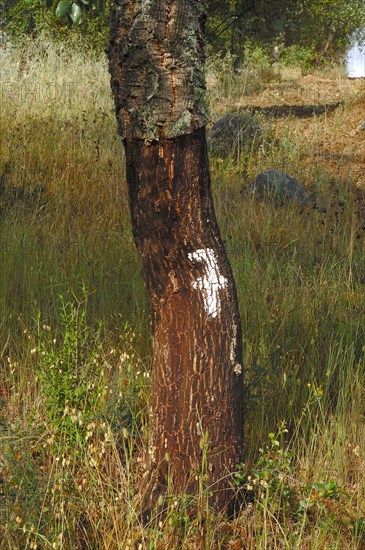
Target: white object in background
x: 355, y: 61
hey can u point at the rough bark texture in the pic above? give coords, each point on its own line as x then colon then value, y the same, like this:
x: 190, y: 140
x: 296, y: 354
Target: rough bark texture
x: 197, y: 409
x: 197, y: 367
x: 157, y: 60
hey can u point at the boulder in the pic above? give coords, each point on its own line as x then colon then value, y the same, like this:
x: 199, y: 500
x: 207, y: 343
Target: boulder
x: 233, y: 133
x: 278, y: 186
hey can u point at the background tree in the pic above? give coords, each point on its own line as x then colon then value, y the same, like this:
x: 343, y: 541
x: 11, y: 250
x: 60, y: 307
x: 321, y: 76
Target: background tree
x: 157, y: 75
x: 320, y: 26
x: 323, y: 28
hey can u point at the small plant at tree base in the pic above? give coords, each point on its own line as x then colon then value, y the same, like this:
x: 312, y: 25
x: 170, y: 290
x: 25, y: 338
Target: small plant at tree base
x: 270, y: 475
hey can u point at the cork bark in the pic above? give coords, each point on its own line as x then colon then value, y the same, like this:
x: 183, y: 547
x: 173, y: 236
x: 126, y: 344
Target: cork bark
x: 197, y: 407
x: 157, y: 60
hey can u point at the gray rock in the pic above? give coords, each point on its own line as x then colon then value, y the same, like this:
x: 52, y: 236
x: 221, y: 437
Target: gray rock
x: 233, y: 132
x: 279, y: 186
x: 362, y: 125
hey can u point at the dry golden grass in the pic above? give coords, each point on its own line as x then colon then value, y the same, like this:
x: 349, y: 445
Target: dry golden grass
x: 71, y: 462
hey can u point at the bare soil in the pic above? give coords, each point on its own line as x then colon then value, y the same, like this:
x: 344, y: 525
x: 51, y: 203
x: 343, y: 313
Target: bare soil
x: 324, y: 115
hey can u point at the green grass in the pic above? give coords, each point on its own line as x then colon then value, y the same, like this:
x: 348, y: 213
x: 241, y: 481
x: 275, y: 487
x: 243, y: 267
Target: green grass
x: 72, y: 471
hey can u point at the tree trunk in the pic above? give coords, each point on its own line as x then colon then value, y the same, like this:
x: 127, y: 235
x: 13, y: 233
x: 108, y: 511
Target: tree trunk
x: 156, y: 64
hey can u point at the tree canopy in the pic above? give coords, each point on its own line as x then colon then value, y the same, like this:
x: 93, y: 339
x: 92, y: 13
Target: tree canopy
x: 323, y: 28
x: 320, y: 26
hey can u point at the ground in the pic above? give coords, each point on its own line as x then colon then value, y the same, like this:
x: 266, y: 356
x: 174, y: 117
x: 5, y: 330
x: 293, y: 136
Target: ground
x: 338, y: 147
x: 71, y: 472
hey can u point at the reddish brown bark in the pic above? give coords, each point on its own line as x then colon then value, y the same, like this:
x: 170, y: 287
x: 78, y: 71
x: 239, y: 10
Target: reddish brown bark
x: 156, y: 64
x: 197, y: 373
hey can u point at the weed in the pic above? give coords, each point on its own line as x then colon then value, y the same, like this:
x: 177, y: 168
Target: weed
x: 70, y: 371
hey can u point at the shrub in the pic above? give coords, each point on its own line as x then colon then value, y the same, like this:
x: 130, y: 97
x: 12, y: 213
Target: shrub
x: 70, y: 372
x: 298, y: 56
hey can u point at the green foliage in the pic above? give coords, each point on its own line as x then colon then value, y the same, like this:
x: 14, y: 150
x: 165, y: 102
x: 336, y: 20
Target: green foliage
x: 74, y: 10
x: 257, y: 56
x: 24, y: 17
x: 84, y: 21
x: 63, y: 8
x: 270, y: 476
x: 298, y: 56
x: 321, y: 28
x: 272, y: 485
x: 70, y: 372
x: 328, y: 25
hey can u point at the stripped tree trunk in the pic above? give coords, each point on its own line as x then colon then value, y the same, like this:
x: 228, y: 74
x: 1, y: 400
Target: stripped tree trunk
x: 157, y: 74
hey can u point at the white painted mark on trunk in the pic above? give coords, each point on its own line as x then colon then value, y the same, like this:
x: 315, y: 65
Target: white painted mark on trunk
x: 211, y: 282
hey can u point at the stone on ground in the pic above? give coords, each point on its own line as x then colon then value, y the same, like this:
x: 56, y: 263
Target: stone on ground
x: 278, y: 186
x: 233, y: 133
